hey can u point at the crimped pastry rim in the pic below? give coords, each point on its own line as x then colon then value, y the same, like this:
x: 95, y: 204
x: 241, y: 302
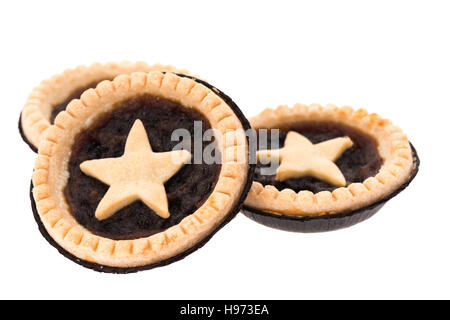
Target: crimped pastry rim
x: 50, y: 175
x: 35, y: 115
x: 393, y: 146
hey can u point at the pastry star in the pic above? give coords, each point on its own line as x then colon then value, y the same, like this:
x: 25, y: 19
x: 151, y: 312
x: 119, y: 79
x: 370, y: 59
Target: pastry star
x: 139, y: 174
x: 300, y: 158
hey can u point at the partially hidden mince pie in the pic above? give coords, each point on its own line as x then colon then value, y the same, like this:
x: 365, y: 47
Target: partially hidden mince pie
x: 326, y: 168
x: 53, y: 95
x: 116, y: 189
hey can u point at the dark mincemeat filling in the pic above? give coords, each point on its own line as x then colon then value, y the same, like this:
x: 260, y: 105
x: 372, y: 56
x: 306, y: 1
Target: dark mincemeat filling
x: 186, y: 191
x: 76, y: 94
x: 357, y: 163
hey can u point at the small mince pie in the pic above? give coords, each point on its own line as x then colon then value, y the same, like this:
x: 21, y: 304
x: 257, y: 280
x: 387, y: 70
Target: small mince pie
x: 111, y: 190
x: 53, y: 95
x: 326, y: 168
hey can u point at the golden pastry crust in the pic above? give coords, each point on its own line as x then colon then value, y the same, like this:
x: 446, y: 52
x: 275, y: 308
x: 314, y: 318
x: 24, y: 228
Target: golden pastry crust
x: 393, y: 147
x: 35, y: 118
x: 51, y: 172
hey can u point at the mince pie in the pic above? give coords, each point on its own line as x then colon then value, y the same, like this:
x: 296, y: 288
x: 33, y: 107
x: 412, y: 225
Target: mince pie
x: 53, y: 95
x: 111, y: 189
x: 326, y: 168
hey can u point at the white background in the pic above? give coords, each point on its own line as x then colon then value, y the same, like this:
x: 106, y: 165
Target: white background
x: 389, y: 57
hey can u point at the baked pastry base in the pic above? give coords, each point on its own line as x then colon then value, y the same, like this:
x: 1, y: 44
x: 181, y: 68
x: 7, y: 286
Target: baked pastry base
x: 116, y: 270
x: 24, y: 138
x: 327, y: 222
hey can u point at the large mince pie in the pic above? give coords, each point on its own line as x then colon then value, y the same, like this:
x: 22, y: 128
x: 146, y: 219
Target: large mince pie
x: 112, y: 191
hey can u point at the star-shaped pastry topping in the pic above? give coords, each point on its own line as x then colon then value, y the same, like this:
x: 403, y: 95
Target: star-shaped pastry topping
x: 300, y: 158
x: 139, y: 174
